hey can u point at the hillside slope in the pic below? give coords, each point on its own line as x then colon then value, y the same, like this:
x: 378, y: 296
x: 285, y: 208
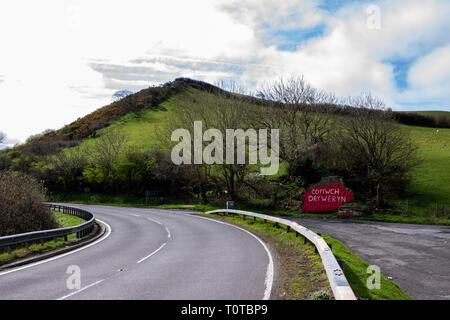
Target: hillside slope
x: 141, y: 117
x: 151, y: 99
x: 103, y: 117
x: 430, y: 181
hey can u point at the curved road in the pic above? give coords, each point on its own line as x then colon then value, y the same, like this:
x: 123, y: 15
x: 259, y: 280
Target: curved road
x: 152, y: 254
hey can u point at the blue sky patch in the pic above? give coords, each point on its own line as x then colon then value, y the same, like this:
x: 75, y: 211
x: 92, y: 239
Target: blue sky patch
x: 290, y: 40
x: 332, y: 6
x: 401, y: 69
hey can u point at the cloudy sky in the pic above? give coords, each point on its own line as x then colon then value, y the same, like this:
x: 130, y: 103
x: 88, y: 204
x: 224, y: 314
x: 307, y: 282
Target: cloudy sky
x: 61, y: 59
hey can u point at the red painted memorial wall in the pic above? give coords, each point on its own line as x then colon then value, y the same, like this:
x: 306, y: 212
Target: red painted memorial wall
x: 326, y: 197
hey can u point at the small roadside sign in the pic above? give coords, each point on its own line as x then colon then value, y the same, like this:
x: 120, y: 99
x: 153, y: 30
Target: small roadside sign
x: 230, y: 204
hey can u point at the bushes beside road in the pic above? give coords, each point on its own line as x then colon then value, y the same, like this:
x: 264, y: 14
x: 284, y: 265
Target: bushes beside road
x: 21, y: 205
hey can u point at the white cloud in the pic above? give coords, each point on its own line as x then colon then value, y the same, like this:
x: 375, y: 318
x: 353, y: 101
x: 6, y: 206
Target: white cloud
x: 61, y: 59
x: 350, y: 58
x: 270, y: 14
x: 429, y: 78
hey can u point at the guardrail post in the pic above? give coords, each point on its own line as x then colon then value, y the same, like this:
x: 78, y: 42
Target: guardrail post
x: 65, y: 238
x: 8, y: 249
x: 339, y: 284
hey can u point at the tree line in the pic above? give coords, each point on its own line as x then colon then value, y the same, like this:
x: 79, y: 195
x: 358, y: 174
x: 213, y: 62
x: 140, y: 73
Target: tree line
x: 366, y: 146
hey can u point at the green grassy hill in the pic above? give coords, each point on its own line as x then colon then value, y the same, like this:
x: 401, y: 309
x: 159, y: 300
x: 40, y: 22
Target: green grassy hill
x: 143, y: 116
x: 430, y: 181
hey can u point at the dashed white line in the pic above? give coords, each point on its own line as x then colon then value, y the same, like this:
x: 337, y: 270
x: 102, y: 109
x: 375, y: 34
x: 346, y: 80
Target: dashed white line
x: 155, y: 221
x: 168, y: 232
x: 153, y: 253
x: 82, y: 289
x: 162, y: 246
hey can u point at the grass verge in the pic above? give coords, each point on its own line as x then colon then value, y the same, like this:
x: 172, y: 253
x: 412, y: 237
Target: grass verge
x: 380, y: 217
x: 127, y: 201
x: 302, y: 271
x: 64, y: 220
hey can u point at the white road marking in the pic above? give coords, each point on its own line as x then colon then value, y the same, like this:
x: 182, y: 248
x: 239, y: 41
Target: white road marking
x: 82, y: 289
x: 162, y: 246
x: 136, y: 215
x: 268, y: 282
x: 108, y: 232
x: 155, y: 221
x: 153, y: 253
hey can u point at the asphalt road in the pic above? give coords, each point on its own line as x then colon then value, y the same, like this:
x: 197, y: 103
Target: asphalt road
x: 152, y: 254
x: 417, y: 257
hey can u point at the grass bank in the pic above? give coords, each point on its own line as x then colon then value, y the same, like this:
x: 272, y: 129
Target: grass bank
x: 300, y: 265
x: 64, y: 220
x: 380, y: 217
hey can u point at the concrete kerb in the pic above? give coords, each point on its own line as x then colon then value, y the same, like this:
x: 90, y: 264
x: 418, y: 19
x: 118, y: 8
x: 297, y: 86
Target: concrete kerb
x: 100, y: 232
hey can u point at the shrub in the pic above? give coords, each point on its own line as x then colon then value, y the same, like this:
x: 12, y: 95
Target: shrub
x: 306, y: 171
x: 21, y: 205
x: 320, y: 295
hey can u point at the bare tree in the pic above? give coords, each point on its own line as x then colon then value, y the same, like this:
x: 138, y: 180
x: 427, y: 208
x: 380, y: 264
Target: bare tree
x: 106, y: 151
x: 293, y: 110
x: 232, y: 86
x: 69, y: 165
x: 374, y: 149
x: 218, y: 112
x: 108, y: 148
x: 2, y: 137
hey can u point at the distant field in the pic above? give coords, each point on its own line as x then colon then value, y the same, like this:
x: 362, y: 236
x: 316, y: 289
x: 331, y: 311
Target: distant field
x: 431, y: 180
x: 431, y: 113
